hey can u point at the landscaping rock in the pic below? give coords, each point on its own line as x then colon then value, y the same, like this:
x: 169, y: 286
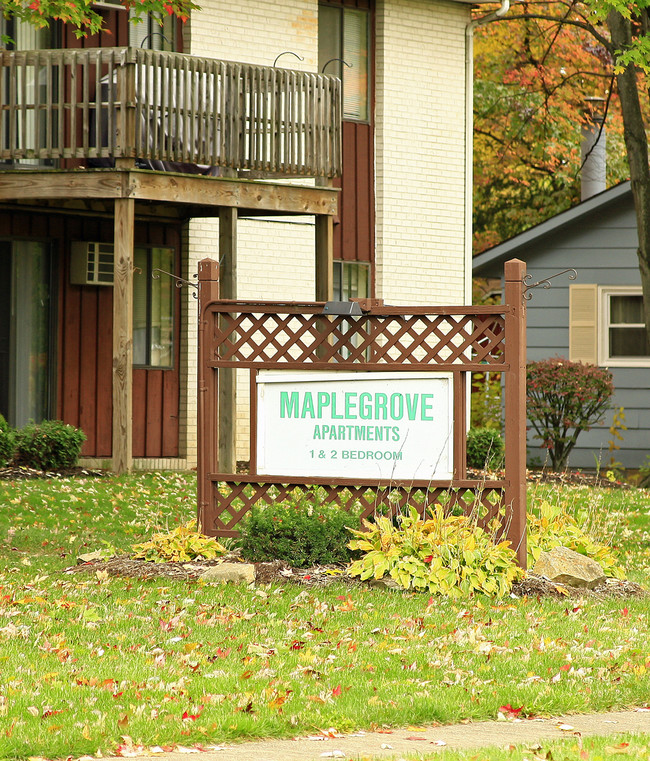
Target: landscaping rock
x: 386, y: 582
x: 89, y: 557
x: 240, y: 573
x: 565, y: 566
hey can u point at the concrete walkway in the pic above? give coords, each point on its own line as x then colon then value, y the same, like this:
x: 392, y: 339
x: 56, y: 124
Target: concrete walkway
x: 393, y: 744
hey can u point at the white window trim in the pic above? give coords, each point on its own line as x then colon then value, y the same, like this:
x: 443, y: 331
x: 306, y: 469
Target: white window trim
x: 604, y: 292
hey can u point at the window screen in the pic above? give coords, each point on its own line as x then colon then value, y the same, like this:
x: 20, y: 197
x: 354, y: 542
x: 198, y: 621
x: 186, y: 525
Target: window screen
x: 627, y: 334
x: 343, y: 33
x: 153, y: 308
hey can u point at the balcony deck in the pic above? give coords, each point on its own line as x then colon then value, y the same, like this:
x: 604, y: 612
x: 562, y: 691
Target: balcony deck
x: 77, y: 126
x: 108, y: 107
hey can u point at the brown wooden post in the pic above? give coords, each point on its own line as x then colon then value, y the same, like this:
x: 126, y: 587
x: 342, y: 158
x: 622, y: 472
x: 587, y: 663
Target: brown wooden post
x: 324, y: 257
x: 207, y: 402
x: 227, y: 375
x: 515, y: 405
x: 123, y: 335
x: 460, y: 426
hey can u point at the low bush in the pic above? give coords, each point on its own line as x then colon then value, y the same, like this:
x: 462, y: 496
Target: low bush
x: 484, y: 448
x: 49, y: 445
x: 565, y: 398
x: 644, y: 473
x: 300, y: 531
x: 181, y: 544
x: 7, y: 443
x: 551, y: 526
x: 445, y: 554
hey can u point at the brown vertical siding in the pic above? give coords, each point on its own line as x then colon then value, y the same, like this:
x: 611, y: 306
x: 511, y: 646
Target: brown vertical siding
x: 84, y: 342
x: 354, y: 228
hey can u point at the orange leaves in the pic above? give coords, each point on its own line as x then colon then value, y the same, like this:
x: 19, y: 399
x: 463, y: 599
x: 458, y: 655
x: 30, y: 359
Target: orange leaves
x: 347, y: 604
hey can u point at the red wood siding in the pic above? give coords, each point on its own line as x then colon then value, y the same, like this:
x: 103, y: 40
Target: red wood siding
x: 84, y: 341
x: 355, y: 232
x: 354, y: 228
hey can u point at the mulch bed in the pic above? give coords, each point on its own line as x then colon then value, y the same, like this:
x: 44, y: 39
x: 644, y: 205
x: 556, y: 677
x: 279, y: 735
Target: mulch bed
x: 23, y: 473
x: 566, y: 477
x: 280, y: 572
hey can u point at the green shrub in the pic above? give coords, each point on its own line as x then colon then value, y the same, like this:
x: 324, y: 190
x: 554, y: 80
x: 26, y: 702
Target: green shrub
x: 7, y: 443
x: 484, y: 448
x: 644, y: 473
x: 182, y: 544
x: 49, y: 445
x: 445, y: 554
x: 551, y: 526
x: 299, y: 531
x: 565, y: 398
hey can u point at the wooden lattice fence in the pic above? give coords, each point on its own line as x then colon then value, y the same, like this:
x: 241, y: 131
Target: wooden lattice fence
x: 298, y: 336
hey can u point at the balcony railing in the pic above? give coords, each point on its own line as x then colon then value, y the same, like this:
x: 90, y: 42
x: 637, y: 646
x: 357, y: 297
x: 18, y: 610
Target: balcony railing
x: 110, y: 103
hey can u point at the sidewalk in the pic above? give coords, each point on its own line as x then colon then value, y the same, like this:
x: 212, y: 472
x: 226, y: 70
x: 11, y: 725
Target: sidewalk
x: 392, y: 744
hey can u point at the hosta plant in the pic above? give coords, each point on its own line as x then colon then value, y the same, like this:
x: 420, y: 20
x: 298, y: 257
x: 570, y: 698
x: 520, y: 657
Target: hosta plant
x: 444, y: 554
x: 551, y: 526
x: 182, y: 544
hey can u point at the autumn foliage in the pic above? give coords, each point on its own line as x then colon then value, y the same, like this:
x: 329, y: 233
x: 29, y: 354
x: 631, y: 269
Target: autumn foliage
x: 84, y: 15
x: 532, y: 78
x: 564, y: 399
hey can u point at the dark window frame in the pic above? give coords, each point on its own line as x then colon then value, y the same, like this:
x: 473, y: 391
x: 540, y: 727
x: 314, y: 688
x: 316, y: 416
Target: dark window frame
x: 149, y: 282
x: 340, y: 69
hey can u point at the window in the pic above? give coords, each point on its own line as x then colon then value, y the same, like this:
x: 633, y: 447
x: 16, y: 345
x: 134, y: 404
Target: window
x: 153, y: 308
x: 33, y: 84
x: 343, y: 33
x: 152, y: 32
x: 623, y: 337
x: 351, y: 281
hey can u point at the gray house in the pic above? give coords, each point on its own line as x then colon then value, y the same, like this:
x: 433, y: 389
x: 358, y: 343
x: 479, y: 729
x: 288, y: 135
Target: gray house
x: 595, y: 318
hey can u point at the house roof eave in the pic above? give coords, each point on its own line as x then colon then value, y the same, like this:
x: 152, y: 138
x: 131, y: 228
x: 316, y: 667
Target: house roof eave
x: 515, y: 247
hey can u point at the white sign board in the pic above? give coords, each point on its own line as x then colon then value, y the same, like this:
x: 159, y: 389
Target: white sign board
x: 355, y: 425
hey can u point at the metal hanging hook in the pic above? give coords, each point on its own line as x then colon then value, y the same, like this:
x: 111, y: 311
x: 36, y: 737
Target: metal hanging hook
x: 180, y: 282
x: 545, y: 282
x: 287, y: 52
x: 322, y: 71
x: 155, y: 34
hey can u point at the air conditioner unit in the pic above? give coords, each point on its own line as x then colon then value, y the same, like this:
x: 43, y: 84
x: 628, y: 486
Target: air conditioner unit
x: 91, y: 263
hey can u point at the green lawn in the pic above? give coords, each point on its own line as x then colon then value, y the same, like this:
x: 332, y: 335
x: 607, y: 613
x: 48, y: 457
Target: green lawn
x: 86, y: 660
x: 573, y: 749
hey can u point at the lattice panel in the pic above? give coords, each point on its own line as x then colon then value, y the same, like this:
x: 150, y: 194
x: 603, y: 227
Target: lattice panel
x: 415, y: 340
x: 231, y: 500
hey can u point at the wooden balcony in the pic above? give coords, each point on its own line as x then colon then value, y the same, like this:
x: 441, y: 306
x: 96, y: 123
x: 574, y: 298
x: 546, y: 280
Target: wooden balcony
x: 125, y: 103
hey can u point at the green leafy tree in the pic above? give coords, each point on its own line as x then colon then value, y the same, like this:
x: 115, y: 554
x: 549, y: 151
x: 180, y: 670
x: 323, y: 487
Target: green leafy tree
x: 84, y: 17
x: 532, y: 77
x: 613, y: 33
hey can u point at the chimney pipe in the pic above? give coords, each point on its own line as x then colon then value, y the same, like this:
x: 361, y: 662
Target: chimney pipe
x: 593, y: 150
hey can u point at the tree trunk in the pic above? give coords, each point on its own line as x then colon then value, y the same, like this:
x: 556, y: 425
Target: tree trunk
x: 636, y: 143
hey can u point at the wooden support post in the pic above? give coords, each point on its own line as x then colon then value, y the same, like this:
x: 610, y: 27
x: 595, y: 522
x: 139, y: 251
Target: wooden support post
x: 123, y: 336
x: 515, y: 405
x: 227, y: 376
x: 207, y: 434
x: 324, y: 257
x: 460, y: 426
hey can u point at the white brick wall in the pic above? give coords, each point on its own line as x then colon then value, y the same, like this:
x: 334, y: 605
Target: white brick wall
x: 256, y: 31
x: 420, y: 151
x: 420, y: 154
